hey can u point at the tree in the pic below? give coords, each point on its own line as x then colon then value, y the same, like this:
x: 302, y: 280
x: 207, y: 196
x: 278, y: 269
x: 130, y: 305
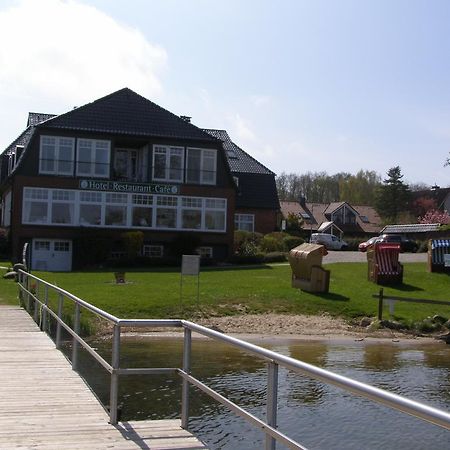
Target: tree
x: 435, y: 216
x: 359, y: 189
x: 392, y: 196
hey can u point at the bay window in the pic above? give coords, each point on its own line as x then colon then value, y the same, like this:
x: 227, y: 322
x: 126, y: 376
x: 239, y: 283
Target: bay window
x: 215, y: 213
x: 63, y: 203
x: 142, y: 210
x: 116, y: 209
x: 166, y: 212
x: 35, y: 206
x: 90, y: 208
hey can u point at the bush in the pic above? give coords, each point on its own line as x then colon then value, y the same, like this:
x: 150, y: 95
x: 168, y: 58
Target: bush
x: 4, y: 243
x: 246, y: 243
x: 133, y: 241
x: 353, y: 242
x: 291, y: 242
x: 257, y: 258
x: 275, y: 257
x: 423, y: 246
x: 271, y: 244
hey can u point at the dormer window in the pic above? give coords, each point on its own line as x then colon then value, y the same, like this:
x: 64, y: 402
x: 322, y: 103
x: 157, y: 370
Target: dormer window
x: 93, y: 158
x: 168, y: 163
x: 201, y: 166
x: 56, y: 155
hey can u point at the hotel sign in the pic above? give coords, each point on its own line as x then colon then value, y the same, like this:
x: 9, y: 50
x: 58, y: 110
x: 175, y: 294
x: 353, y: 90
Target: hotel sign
x: 135, y: 188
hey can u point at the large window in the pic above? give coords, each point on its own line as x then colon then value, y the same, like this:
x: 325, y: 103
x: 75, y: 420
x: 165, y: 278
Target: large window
x: 116, y: 210
x: 35, y: 206
x: 191, y: 213
x: 64, y: 207
x: 56, y: 155
x: 90, y: 208
x: 142, y: 210
x: 201, y: 166
x: 215, y: 212
x: 168, y: 163
x: 93, y: 157
x: 244, y: 222
x: 166, y: 212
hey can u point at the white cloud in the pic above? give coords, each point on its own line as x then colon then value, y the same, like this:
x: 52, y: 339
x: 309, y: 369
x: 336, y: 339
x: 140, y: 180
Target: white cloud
x: 57, y: 53
x: 260, y: 100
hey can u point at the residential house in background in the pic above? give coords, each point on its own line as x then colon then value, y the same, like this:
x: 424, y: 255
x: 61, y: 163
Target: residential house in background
x: 123, y: 163
x: 257, y: 204
x: 337, y: 218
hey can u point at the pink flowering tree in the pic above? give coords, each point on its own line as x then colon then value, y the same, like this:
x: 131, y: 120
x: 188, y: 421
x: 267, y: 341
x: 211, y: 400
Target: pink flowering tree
x: 435, y: 216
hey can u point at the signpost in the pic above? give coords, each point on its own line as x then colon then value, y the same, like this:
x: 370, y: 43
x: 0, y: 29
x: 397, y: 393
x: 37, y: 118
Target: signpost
x: 190, y: 266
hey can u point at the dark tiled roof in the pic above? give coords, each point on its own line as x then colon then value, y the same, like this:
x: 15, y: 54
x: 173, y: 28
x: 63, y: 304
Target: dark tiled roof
x: 238, y: 160
x: 257, y: 190
x: 128, y: 113
x: 23, y: 139
x: 35, y: 118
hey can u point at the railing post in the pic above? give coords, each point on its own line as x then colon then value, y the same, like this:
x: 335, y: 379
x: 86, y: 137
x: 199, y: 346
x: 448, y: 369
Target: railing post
x: 272, y: 401
x: 44, y: 310
x: 380, y: 305
x: 36, y: 308
x: 76, y: 329
x: 185, y: 385
x: 114, y: 388
x: 58, y: 323
x: 27, y: 307
x: 20, y: 283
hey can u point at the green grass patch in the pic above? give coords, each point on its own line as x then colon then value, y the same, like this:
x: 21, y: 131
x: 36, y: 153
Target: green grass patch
x: 155, y: 293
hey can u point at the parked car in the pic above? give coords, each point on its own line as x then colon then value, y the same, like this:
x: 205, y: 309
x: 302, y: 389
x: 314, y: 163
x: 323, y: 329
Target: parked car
x: 406, y: 244
x: 363, y: 246
x: 329, y: 241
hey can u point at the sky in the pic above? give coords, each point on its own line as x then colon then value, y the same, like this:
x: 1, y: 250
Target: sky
x: 303, y: 86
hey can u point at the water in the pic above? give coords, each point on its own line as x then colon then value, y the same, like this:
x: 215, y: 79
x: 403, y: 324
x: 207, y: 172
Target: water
x: 316, y: 415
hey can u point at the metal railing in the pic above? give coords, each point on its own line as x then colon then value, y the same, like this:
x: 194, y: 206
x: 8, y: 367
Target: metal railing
x: 30, y: 288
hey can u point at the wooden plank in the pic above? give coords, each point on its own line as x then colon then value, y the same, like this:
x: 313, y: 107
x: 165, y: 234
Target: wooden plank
x: 46, y: 405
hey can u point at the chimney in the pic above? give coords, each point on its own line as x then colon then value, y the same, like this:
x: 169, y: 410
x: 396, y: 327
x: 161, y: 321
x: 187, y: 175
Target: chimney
x: 186, y: 118
x: 302, y: 201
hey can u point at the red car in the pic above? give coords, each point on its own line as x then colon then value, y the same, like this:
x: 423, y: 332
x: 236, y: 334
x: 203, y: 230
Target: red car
x: 364, y: 245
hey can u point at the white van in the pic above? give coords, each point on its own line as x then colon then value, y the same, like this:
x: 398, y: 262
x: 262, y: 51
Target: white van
x: 329, y: 241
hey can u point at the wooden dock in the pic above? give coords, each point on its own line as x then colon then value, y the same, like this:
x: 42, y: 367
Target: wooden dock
x: 46, y: 405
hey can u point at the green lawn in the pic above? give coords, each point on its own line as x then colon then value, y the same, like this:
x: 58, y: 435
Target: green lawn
x: 155, y: 293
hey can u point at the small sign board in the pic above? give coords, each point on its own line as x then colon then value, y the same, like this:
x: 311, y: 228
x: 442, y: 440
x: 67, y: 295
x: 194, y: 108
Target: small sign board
x: 190, y: 265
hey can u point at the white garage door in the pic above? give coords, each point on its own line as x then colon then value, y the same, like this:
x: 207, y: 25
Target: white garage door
x: 53, y: 255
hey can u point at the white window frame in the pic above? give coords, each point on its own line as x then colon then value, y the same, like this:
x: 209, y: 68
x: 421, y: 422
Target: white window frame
x: 154, y: 251
x: 202, y: 179
x: 92, y: 172
x: 241, y: 219
x: 57, y: 149
x: 205, y: 252
x: 167, y: 150
x: 77, y: 198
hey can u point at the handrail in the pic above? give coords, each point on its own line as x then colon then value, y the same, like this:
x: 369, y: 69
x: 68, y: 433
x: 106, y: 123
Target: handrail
x: 274, y: 360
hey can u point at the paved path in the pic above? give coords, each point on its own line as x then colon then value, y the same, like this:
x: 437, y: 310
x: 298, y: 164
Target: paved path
x: 46, y: 405
x: 343, y: 256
